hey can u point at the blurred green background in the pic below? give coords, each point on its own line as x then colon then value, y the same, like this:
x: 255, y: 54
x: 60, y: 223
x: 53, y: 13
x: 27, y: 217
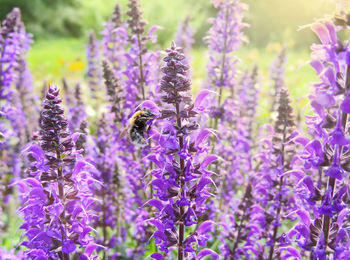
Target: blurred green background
x: 271, y: 20
x: 60, y: 29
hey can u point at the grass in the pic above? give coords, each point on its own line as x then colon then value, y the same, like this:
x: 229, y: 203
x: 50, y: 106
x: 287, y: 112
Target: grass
x: 50, y: 60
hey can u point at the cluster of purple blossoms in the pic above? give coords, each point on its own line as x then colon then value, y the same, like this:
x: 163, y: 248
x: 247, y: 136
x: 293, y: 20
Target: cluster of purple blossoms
x: 141, y: 64
x: 322, y: 185
x: 15, y: 93
x: 187, y: 191
x: 181, y: 154
x: 56, y: 195
x: 10, y: 49
x: 129, y: 70
x: 274, y: 161
x: 224, y: 37
x: 109, y: 192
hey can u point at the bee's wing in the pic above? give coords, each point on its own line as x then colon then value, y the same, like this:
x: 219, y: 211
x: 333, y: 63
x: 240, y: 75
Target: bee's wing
x: 123, y: 132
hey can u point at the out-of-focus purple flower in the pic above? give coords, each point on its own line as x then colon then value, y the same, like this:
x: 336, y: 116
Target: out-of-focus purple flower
x: 110, y: 192
x: 274, y: 188
x: 11, y: 255
x: 184, y: 37
x: 115, y: 95
x: 277, y: 71
x: 94, y: 72
x: 114, y: 41
x: 141, y: 65
x: 231, y: 142
x: 56, y: 194
x: 16, y: 102
x: 224, y: 37
x: 76, y: 107
x: 245, y: 232
x: 248, y: 99
x: 9, y: 56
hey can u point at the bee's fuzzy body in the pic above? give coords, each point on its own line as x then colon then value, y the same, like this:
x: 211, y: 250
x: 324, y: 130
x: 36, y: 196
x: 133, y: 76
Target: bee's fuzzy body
x: 138, y: 126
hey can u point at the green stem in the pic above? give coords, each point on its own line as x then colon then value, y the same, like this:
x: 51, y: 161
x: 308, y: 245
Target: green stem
x: 180, y: 247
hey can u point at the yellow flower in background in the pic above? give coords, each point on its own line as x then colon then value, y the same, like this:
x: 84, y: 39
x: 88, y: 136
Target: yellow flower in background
x: 76, y: 66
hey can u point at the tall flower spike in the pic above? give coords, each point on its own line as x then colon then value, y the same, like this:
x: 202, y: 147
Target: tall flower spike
x: 56, y: 194
x: 110, y: 198
x: 284, y: 150
x: 135, y: 21
x: 184, y: 37
x: 25, y: 100
x: 181, y: 155
x: 277, y: 76
x: 9, y: 49
x: 114, y: 94
x: 9, y: 53
x: 248, y: 99
x: 141, y: 64
x: 14, y: 127
x: 327, y: 153
x: 94, y: 67
x: 114, y: 41
x: 224, y: 37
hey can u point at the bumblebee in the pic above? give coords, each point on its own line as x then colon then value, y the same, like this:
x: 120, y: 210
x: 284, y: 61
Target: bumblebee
x: 137, y: 127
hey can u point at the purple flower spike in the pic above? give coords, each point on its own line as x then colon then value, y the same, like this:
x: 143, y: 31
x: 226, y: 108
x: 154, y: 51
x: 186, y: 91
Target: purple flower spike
x: 326, y: 155
x: 60, y: 190
x: 181, y: 182
x: 94, y: 73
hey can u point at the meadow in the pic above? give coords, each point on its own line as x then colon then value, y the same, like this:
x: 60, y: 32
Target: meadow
x: 221, y: 135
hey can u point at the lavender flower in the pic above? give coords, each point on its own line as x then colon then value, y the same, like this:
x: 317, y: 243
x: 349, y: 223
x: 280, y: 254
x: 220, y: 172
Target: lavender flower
x: 115, y: 94
x: 94, y: 73
x: 9, y: 43
x: 324, y: 231
x: 241, y: 230
x: 24, y: 97
x: 224, y: 37
x: 78, y: 111
x: 248, y: 99
x: 277, y: 71
x: 9, y: 49
x: 14, y: 127
x: 181, y: 155
x: 114, y: 42
x: 141, y: 64
x: 56, y: 194
x: 109, y: 192
x: 130, y: 171
x: 273, y: 187
x: 184, y: 37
